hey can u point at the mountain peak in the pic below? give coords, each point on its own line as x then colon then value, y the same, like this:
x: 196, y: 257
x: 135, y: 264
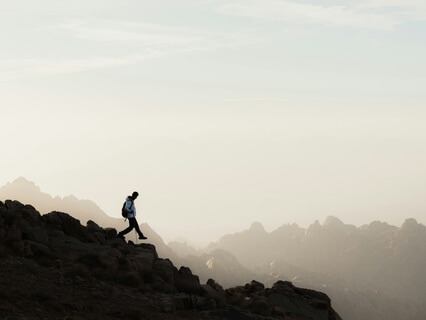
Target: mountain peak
x: 22, y: 180
x: 410, y: 224
x: 257, y: 227
x: 20, y: 184
x: 332, y: 221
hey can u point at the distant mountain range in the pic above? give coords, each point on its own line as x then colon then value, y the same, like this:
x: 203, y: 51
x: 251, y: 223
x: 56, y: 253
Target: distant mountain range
x: 374, y: 272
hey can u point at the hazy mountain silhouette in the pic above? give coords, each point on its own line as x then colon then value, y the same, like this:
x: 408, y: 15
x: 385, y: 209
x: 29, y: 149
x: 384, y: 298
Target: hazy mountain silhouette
x: 182, y: 249
x: 376, y: 271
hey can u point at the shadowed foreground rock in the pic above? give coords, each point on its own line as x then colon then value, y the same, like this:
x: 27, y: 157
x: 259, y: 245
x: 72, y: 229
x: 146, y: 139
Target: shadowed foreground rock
x: 52, y: 267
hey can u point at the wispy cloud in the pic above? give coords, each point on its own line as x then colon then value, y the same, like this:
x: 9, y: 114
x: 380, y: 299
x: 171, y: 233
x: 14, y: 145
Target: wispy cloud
x: 369, y: 14
x: 135, y: 34
x: 131, y: 42
x: 405, y: 10
x: 413, y: 4
x: 16, y: 68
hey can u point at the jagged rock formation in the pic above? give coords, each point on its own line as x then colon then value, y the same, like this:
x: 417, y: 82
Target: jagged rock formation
x: 53, y: 267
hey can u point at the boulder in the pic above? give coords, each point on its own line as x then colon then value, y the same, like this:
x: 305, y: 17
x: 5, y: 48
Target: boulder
x: 131, y: 279
x: 165, y: 269
x: 214, y: 291
x: 160, y: 285
x: 30, y: 213
x: 13, y: 233
x: 93, y: 227
x: 142, y: 261
x: 69, y: 225
x: 37, y: 234
x: 254, y: 286
x: 13, y: 206
x: 186, y: 282
x: 110, y: 233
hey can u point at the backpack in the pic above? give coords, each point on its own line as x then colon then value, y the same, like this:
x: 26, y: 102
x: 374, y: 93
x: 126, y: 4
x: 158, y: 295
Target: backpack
x: 124, y: 211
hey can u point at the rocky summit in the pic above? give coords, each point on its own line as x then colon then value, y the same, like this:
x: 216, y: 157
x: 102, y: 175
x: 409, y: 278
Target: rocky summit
x: 52, y: 267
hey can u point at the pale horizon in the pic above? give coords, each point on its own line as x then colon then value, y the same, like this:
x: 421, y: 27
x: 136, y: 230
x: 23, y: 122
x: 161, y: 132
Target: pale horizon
x: 196, y: 242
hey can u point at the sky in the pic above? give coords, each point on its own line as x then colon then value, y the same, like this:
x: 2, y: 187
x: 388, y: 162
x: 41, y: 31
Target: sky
x: 220, y: 113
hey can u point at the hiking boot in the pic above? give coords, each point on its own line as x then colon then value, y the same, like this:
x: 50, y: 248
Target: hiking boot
x: 142, y: 237
x: 121, y: 236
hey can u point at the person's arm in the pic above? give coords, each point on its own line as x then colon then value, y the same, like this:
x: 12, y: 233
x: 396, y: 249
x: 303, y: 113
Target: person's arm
x: 129, y: 206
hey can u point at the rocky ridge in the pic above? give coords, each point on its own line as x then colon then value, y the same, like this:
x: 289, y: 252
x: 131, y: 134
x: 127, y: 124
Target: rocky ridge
x: 55, y: 268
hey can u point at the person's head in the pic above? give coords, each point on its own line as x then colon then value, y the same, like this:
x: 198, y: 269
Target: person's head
x: 135, y: 195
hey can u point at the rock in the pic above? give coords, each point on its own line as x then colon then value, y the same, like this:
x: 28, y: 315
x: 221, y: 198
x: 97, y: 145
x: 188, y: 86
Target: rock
x: 148, y: 247
x: 131, y: 279
x: 70, y: 226
x: 164, y: 268
x: 183, y: 301
x: 214, y: 291
x: 142, y: 261
x: 13, y: 234
x: 77, y: 269
x: 110, y: 233
x: 216, y: 286
x: 186, y: 282
x: 13, y: 206
x: 93, y: 227
x: 160, y: 285
x: 232, y: 314
x: 211, y: 294
x: 100, y: 237
x: 22, y: 248
x: 41, y: 250
x: 176, y: 302
x: 283, y: 286
x: 254, y: 286
x: 206, y: 304
x: 261, y: 305
x: 2, y: 232
x: 3, y: 210
x: 37, y: 234
x: 30, y: 213
x: 105, y: 259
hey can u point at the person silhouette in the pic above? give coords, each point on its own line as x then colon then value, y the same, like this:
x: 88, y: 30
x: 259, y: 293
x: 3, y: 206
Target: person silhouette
x: 131, y: 215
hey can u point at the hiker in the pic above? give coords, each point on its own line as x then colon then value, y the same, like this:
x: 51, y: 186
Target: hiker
x: 130, y: 209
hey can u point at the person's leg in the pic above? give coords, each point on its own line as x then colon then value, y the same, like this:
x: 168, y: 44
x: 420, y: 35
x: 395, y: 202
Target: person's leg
x: 128, y: 229
x: 138, y: 230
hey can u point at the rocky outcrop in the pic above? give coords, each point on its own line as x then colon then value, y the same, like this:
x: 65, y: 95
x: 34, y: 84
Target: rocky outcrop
x: 78, y: 255
x: 83, y: 210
